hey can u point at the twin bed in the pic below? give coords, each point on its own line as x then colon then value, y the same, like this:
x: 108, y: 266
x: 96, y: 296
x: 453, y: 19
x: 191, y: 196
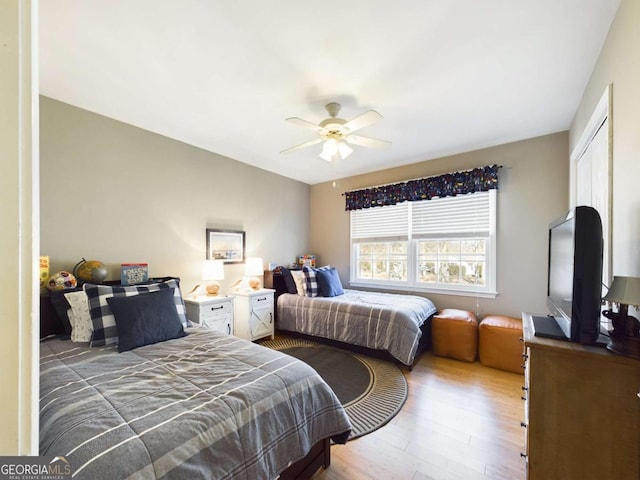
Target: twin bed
x: 396, y: 326
x: 201, y: 405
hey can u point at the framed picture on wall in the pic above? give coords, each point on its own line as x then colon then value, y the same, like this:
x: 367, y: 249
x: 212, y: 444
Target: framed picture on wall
x: 225, y: 245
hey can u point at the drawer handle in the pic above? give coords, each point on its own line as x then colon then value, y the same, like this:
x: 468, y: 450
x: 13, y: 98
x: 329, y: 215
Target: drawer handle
x: 270, y: 317
x: 261, y: 299
x: 525, y: 389
x: 229, y: 328
x: 217, y: 308
x: 523, y: 455
x: 523, y: 398
x: 523, y: 425
x: 525, y: 356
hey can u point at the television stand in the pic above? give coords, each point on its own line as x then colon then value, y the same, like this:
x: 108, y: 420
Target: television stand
x: 582, y: 416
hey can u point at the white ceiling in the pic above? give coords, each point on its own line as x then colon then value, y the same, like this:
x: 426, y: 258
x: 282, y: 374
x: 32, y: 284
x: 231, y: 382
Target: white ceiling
x: 448, y: 76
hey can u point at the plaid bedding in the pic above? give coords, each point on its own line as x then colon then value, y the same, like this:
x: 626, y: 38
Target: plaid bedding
x: 201, y: 406
x: 381, y: 321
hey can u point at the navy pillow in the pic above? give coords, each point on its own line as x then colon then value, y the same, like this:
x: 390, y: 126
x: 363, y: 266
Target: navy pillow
x: 60, y: 305
x: 329, y: 282
x: 145, y: 319
x: 289, y: 283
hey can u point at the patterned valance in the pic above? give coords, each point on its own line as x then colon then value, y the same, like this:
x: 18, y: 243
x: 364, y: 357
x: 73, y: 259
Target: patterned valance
x: 447, y: 185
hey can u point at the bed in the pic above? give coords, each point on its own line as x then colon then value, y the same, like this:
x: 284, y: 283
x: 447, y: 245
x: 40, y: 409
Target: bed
x: 200, y: 405
x: 398, y: 325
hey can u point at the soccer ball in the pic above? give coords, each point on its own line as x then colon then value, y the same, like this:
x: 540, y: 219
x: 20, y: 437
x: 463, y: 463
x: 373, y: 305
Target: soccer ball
x: 61, y: 281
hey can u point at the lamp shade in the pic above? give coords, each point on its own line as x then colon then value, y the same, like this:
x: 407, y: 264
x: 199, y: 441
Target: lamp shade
x: 253, y: 266
x: 624, y: 290
x: 213, y: 270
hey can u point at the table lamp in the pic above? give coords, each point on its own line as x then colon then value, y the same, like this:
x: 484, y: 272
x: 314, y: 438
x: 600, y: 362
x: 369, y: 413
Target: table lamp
x: 625, y: 337
x: 254, y: 269
x: 212, y: 271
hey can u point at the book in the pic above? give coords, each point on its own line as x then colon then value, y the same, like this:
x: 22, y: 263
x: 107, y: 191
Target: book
x: 133, y: 273
x: 308, y: 260
x: 44, y: 271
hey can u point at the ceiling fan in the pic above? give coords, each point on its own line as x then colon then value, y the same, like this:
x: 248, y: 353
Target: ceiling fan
x: 337, y: 133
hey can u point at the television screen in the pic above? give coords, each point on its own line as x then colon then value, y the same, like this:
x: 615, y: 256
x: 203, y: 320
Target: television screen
x: 561, y: 268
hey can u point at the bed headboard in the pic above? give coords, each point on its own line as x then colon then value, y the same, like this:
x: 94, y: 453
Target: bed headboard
x: 50, y: 323
x: 274, y: 279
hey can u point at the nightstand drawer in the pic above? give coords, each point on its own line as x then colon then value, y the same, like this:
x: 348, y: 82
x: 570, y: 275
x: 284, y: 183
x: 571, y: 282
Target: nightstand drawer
x: 258, y: 301
x: 207, y: 311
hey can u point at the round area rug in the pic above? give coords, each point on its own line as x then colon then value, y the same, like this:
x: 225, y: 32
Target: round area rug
x: 372, y: 391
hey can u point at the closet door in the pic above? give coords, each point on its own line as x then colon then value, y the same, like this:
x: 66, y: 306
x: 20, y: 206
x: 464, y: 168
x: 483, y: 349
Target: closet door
x: 591, y: 169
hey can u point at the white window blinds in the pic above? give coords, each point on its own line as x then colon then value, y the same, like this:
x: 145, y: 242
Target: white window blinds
x: 461, y: 215
x: 389, y: 223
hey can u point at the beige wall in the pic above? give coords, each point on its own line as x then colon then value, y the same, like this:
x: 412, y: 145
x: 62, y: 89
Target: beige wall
x: 619, y: 65
x: 18, y: 242
x: 533, y: 191
x: 116, y: 193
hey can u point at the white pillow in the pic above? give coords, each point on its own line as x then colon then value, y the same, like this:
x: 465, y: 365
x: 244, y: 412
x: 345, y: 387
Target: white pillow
x: 300, y: 281
x: 79, y: 317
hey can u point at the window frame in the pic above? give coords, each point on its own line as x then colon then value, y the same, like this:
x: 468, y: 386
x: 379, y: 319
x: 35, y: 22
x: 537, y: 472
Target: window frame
x: 413, y: 284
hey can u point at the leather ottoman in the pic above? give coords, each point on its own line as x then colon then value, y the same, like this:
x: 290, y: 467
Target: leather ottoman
x: 501, y: 343
x: 455, y: 334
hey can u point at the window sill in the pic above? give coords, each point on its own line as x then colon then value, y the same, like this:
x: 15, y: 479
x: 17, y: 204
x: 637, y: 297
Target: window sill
x: 439, y: 291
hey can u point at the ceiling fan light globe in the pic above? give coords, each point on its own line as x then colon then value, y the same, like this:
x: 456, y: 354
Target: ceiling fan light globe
x: 330, y: 147
x: 326, y: 156
x: 344, y: 150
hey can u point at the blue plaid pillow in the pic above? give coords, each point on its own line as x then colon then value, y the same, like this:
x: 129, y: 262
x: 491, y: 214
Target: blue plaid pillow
x: 313, y: 288
x: 105, y: 331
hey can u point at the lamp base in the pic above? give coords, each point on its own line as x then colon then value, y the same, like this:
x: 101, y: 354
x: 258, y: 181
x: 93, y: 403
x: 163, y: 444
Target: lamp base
x: 623, y: 345
x: 213, y: 289
x: 254, y: 282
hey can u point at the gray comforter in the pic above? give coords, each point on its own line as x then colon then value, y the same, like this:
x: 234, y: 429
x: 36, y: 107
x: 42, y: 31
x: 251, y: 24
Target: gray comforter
x: 202, y: 406
x: 381, y: 321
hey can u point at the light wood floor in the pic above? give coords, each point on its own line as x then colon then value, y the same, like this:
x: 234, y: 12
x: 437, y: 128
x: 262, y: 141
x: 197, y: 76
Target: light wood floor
x: 461, y: 421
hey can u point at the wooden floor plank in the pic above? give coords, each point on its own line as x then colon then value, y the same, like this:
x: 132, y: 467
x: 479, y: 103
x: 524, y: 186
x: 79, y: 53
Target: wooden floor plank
x: 461, y: 421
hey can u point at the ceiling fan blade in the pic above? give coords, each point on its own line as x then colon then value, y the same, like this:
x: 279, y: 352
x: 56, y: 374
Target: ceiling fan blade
x: 362, y: 121
x: 367, y: 142
x: 306, y: 124
x: 302, y: 145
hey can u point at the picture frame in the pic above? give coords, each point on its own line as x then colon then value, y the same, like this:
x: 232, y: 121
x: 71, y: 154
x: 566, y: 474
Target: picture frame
x: 225, y: 245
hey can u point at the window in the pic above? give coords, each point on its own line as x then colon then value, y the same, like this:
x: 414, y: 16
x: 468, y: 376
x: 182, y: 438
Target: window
x: 444, y: 245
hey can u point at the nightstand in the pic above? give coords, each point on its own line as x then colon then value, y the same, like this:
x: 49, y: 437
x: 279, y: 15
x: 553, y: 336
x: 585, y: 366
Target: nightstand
x: 212, y: 312
x: 254, y: 314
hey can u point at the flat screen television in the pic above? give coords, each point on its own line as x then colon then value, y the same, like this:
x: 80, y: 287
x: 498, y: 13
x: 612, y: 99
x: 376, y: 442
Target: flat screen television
x: 574, y: 283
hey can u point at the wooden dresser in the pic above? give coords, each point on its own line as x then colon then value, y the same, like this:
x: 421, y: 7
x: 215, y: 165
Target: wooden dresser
x: 582, y: 411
